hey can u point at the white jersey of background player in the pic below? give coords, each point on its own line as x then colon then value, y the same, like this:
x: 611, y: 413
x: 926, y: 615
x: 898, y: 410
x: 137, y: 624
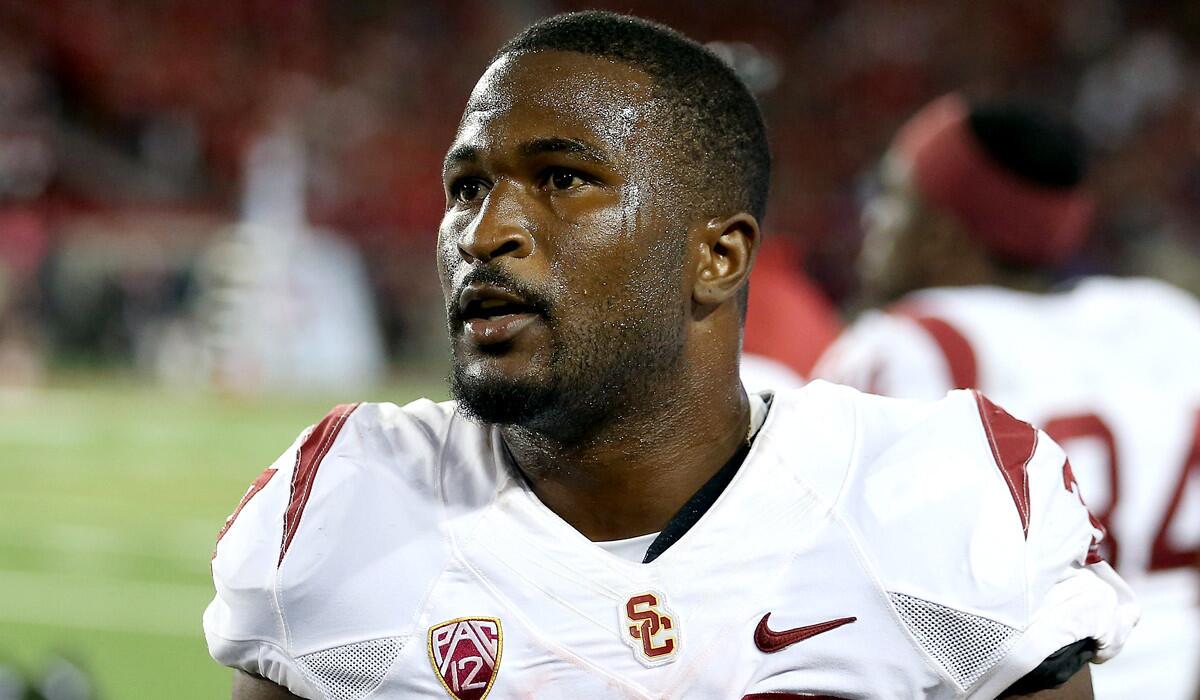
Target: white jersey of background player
x: 1107, y: 367
x: 618, y: 518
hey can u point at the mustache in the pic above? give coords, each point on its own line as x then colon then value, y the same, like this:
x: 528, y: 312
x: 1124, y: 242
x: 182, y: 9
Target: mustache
x: 497, y: 277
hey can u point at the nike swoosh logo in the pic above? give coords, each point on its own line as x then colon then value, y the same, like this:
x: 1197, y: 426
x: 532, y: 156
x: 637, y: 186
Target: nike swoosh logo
x: 769, y: 641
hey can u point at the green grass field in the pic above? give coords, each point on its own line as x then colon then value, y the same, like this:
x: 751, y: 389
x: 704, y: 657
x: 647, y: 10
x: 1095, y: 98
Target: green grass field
x: 112, y: 496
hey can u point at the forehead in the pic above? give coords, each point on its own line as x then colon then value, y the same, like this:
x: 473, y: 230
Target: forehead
x: 558, y: 93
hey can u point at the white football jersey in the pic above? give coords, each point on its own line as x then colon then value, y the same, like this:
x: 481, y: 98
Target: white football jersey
x: 866, y: 548
x: 1111, y: 370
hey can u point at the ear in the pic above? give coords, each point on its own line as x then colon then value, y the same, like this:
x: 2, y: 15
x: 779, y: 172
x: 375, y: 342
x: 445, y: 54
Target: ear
x: 727, y: 248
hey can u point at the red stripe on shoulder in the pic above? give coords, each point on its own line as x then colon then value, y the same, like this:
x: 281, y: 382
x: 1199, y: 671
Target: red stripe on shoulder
x: 257, y: 486
x: 960, y: 356
x: 308, y: 461
x: 1013, y: 443
x: 1069, y: 482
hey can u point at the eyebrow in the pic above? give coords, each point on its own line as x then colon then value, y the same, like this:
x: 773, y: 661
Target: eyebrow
x: 557, y: 144
x: 466, y: 153
x: 462, y: 153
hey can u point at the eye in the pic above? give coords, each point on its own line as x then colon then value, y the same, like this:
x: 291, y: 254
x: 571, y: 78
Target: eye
x: 468, y: 190
x: 561, y: 179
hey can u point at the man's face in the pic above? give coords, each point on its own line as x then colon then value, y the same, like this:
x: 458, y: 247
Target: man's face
x: 890, y: 222
x: 560, y: 254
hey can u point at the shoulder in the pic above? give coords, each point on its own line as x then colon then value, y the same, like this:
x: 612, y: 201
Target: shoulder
x: 847, y: 434
x: 879, y: 423
x: 1138, y: 302
x: 423, y: 448
x: 971, y: 523
x: 898, y: 354
x: 1135, y: 290
x: 357, y: 495
x: 358, y: 455
x: 354, y: 450
x: 939, y: 339
x: 417, y: 427
x: 932, y: 480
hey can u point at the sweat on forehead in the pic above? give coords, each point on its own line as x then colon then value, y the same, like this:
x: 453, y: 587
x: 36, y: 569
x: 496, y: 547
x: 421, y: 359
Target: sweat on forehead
x: 564, y: 94
x: 713, y: 121
x: 558, y: 80
x: 634, y: 84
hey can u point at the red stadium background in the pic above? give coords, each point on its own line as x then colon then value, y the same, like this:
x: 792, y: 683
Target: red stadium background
x: 133, y: 120
x: 150, y: 153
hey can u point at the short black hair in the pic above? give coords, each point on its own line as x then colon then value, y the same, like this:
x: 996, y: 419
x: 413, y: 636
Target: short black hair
x: 714, y: 111
x: 1035, y: 145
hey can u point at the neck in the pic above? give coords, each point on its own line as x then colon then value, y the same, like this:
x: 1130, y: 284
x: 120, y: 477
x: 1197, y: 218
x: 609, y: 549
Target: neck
x: 632, y: 474
x: 984, y: 271
x: 1019, y: 278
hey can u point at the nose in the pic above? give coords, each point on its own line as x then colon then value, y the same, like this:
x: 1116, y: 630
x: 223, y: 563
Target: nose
x: 500, y: 229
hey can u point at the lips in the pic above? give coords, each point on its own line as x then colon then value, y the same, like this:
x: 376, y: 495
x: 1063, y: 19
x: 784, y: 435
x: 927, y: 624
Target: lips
x: 493, y: 315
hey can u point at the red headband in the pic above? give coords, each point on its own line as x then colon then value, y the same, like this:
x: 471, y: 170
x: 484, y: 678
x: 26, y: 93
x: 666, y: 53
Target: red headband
x: 1014, y: 219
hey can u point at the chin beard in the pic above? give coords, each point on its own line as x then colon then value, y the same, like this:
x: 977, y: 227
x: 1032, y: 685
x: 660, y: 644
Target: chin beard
x: 593, y: 372
x: 567, y: 412
x: 501, y: 400
x: 580, y: 393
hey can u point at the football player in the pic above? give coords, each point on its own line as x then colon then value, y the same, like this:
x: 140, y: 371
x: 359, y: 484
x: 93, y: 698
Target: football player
x: 980, y: 204
x: 603, y: 512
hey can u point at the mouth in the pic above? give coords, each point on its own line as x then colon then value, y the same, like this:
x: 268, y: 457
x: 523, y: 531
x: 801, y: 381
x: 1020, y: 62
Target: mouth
x: 492, y: 315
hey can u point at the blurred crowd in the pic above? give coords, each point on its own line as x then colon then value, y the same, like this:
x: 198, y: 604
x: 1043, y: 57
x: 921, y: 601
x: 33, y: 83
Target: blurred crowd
x: 127, y: 131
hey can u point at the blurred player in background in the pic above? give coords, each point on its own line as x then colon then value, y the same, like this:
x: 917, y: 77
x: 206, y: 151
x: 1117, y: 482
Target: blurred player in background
x: 979, y: 205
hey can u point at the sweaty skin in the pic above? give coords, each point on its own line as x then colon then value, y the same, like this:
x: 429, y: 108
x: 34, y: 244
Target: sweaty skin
x: 564, y: 177
x: 564, y: 184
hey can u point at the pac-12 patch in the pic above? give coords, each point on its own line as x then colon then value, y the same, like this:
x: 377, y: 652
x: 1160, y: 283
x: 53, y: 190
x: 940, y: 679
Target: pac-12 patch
x: 465, y: 654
